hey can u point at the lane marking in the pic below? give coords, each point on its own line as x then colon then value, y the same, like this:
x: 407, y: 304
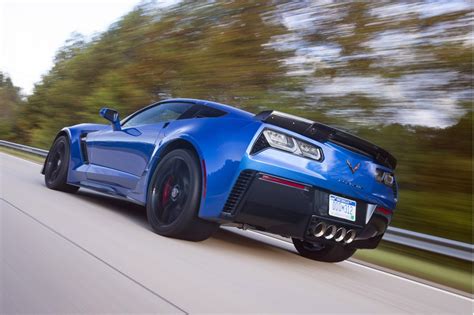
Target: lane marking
x: 411, y: 281
x: 286, y: 243
x: 95, y: 256
x: 19, y: 158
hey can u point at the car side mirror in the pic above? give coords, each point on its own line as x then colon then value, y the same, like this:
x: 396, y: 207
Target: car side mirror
x: 112, y: 116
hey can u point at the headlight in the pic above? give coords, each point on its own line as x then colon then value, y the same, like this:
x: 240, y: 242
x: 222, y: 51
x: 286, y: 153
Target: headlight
x: 287, y: 143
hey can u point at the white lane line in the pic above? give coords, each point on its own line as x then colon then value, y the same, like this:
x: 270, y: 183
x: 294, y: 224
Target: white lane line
x: 93, y: 255
x: 235, y: 230
x: 19, y: 158
x: 411, y: 281
x: 285, y: 243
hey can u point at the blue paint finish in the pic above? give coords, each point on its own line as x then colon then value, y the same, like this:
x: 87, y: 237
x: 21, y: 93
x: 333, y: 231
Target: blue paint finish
x: 121, y: 162
x: 127, y: 150
x: 75, y: 175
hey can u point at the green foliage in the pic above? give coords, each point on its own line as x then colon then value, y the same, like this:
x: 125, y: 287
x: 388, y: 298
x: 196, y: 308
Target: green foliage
x: 10, y: 104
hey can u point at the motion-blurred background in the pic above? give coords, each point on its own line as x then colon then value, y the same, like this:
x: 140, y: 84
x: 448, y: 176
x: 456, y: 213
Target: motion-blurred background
x: 397, y: 73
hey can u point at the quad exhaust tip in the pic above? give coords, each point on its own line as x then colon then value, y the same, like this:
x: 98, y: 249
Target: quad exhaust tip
x: 339, y: 234
x: 330, y: 232
x: 320, y: 229
x: 350, y: 236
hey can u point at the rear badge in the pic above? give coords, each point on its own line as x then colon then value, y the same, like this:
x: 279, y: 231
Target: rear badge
x: 350, y: 184
x: 353, y: 169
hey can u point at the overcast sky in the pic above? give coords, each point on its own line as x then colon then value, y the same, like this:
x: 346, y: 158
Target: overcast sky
x: 32, y: 31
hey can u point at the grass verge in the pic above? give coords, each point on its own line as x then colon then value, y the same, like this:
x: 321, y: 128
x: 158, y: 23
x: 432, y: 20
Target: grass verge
x: 446, y: 271
x: 21, y: 154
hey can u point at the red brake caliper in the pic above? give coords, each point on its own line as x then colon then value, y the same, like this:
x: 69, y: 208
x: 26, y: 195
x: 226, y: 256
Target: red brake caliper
x: 165, y: 197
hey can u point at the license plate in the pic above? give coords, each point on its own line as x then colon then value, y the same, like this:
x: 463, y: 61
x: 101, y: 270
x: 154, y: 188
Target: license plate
x: 342, y: 208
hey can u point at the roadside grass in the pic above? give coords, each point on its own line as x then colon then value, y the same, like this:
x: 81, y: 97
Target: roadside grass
x: 443, y: 270
x: 447, y: 214
x: 446, y: 271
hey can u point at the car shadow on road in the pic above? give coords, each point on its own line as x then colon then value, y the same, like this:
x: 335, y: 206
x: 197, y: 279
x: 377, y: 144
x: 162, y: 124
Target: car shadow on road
x: 137, y: 214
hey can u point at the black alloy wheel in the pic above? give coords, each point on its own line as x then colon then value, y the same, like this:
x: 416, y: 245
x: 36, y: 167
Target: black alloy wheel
x: 171, y: 191
x: 174, y: 197
x: 56, y: 166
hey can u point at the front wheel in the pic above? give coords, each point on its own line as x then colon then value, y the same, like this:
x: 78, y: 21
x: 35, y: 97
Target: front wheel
x: 56, y: 166
x: 174, y: 196
x: 323, y: 251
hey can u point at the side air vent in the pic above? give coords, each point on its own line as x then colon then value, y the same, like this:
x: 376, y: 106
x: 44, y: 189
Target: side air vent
x: 238, y: 191
x: 85, y: 156
x: 260, y: 144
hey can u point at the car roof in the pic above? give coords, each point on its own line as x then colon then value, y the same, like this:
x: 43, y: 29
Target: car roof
x: 232, y: 111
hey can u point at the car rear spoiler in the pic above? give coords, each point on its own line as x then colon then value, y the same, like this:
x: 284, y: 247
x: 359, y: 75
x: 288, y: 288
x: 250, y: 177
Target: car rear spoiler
x: 323, y: 133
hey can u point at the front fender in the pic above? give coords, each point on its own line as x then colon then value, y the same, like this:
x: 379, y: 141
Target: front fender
x: 73, y: 134
x: 65, y: 131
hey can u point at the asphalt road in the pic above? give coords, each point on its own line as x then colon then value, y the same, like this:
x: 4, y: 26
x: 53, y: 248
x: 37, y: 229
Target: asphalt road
x: 85, y: 253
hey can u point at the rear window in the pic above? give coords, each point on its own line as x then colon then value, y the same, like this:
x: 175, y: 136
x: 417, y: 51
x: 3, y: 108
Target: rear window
x: 202, y: 111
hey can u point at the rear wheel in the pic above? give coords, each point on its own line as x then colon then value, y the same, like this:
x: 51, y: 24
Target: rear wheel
x: 323, y: 251
x: 174, y: 196
x: 56, y: 166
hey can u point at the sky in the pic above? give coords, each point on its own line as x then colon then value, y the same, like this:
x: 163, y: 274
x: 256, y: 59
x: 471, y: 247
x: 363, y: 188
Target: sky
x: 32, y: 31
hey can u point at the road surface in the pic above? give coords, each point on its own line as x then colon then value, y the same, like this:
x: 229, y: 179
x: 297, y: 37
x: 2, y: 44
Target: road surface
x: 85, y: 253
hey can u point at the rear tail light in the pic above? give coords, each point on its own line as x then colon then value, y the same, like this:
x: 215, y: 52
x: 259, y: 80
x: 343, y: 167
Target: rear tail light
x: 282, y: 181
x: 385, y: 178
x: 284, y: 142
x: 383, y: 210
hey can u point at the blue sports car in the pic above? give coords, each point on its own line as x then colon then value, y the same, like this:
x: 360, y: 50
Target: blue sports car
x: 197, y: 164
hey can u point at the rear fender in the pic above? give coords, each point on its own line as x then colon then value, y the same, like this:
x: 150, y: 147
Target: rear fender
x: 165, y: 146
x: 220, y: 145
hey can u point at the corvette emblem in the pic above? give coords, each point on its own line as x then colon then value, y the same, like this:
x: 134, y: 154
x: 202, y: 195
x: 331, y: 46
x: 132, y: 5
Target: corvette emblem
x: 353, y: 169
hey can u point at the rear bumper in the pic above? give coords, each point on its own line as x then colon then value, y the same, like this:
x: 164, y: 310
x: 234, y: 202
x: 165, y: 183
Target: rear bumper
x: 293, y: 209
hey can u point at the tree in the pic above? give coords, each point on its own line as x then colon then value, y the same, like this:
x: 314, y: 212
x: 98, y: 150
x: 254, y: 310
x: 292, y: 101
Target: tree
x: 10, y: 104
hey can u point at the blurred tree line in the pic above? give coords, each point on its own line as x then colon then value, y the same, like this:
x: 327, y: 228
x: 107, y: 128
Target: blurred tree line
x: 398, y: 74
x: 10, y: 105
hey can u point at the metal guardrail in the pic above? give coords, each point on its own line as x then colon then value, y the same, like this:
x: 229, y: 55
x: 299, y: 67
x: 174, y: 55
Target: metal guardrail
x: 429, y: 243
x: 24, y: 148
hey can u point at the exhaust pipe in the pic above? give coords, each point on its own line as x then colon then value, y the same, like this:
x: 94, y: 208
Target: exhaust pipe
x: 330, y: 232
x: 319, y: 229
x: 350, y: 236
x: 340, y: 234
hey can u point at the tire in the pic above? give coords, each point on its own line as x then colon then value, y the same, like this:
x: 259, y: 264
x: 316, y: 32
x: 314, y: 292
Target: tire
x: 323, y: 251
x: 56, y: 166
x: 174, y: 196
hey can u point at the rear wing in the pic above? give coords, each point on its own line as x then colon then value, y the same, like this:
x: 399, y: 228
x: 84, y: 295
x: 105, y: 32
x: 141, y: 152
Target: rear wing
x: 324, y: 133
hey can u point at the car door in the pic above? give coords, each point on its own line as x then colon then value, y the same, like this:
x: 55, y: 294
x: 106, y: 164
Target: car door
x: 119, y: 157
